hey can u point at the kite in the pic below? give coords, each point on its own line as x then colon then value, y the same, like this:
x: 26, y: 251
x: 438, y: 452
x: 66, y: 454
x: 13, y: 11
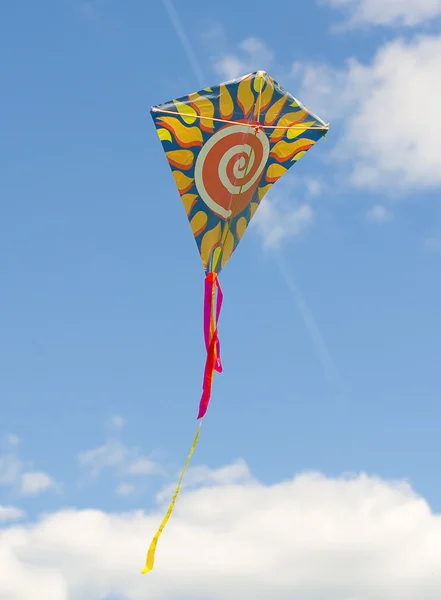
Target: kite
x: 227, y: 146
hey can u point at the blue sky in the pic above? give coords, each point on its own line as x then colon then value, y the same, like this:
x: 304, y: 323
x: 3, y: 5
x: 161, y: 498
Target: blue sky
x: 331, y: 323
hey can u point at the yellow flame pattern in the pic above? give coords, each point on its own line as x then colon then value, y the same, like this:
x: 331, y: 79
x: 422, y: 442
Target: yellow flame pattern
x: 245, y: 96
x: 267, y: 94
x: 274, y: 172
x: 226, y: 104
x: 189, y: 200
x: 241, y: 225
x: 184, y: 110
x: 183, y: 183
x: 261, y: 191
x: 182, y: 159
x: 274, y: 111
x: 210, y: 240
x: 205, y: 108
x: 283, y: 150
x: 228, y: 247
x: 199, y: 222
x: 253, y: 207
x: 185, y: 136
x: 164, y: 135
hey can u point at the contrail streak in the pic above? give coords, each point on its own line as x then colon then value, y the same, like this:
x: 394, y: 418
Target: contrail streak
x: 183, y: 38
x: 312, y: 328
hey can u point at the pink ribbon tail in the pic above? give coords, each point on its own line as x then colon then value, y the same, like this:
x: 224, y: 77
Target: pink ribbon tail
x: 211, y: 317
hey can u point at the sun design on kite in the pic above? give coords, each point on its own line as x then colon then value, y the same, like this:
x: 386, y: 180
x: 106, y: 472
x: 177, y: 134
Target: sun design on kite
x: 226, y: 146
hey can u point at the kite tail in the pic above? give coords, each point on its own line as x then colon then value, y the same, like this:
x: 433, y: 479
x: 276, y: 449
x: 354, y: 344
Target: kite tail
x: 212, y: 308
x: 150, y: 561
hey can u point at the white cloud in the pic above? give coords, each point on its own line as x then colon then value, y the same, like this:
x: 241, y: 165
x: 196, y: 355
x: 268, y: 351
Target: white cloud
x: 276, y: 221
x: 34, y: 483
x: 314, y: 186
x: 143, y: 466
x: 11, y: 513
x: 389, y: 12
x: 125, y: 489
x: 109, y: 455
x: 14, y: 475
x: 237, y: 472
x: 118, y: 457
x: 378, y: 214
x: 11, y: 440
x: 312, y: 537
x: 253, y: 54
x: 389, y: 110
x: 387, y: 132
x: 10, y: 469
x: 116, y: 422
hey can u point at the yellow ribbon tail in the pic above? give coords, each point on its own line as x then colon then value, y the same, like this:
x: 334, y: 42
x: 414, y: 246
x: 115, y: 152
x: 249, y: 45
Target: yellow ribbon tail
x: 150, y: 560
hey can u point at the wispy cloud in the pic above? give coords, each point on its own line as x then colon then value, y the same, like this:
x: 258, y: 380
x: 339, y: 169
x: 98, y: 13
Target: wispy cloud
x: 144, y: 465
x: 314, y: 186
x: 286, y: 211
x: 125, y: 489
x: 10, y: 469
x: 392, y: 13
x: 275, y: 223
x: 11, y: 513
x: 11, y: 440
x: 116, y: 422
x: 236, y: 473
x: 109, y: 455
x: 252, y: 54
x: 33, y: 483
x: 115, y: 456
x: 123, y: 462
x: 378, y: 214
x: 14, y: 473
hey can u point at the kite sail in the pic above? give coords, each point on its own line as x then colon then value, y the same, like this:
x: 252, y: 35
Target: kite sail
x: 226, y: 146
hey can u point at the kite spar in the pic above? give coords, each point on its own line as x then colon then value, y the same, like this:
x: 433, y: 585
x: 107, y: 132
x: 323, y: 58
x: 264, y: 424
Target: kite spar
x: 226, y: 146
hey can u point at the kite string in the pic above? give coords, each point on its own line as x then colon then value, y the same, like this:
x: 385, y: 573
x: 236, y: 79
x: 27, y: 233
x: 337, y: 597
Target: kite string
x: 150, y: 560
x: 284, y: 127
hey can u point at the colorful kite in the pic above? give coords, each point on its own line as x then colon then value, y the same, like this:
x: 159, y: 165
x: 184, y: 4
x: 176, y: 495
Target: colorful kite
x: 226, y: 147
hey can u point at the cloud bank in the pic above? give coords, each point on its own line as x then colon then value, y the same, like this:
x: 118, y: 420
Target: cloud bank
x: 311, y: 537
